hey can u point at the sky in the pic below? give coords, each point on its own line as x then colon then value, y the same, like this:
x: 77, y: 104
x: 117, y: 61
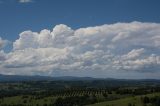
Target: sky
x: 95, y: 38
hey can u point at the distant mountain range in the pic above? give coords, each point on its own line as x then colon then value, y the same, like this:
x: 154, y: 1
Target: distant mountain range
x: 41, y: 78
x: 4, y: 78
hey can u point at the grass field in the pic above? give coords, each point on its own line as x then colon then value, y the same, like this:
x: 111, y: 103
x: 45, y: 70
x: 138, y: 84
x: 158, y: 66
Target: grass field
x: 125, y: 101
x: 28, y: 101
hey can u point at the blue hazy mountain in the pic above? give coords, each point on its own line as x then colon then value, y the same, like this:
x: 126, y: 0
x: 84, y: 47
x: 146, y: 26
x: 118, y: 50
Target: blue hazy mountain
x: 4, y: 78
x: 41, y: 78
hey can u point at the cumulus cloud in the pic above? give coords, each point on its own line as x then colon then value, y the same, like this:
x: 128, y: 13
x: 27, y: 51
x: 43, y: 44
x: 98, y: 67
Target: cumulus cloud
x: 134, y: 53
x: 25, y: 1
x: 3, y: 43
x: 100, y: 51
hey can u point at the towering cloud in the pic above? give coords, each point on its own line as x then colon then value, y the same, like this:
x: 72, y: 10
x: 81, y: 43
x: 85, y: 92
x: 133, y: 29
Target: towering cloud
x: 109, y: 51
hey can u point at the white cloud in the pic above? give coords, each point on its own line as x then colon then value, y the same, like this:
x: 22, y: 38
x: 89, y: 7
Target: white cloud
x: 2, y: 56
x: 134, y: 53
x: 25, y: 1
x: 3, y: 43
x: 107, y: 50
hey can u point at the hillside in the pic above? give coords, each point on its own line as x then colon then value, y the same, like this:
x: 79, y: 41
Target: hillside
x: 136, y: 100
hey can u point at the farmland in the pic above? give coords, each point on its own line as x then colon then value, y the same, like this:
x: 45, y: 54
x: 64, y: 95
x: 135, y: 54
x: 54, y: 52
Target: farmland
x: 107, y: 92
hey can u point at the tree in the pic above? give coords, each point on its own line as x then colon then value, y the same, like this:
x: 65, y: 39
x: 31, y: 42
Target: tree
x: 146, y: 100
x: 129, y: 104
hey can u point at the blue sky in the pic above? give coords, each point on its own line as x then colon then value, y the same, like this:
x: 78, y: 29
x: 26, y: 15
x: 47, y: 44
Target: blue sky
x: 96, y: 38
x: 16, y: 17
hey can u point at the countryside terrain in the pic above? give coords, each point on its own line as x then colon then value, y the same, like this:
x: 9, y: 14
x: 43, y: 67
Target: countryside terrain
x: 77, y: 91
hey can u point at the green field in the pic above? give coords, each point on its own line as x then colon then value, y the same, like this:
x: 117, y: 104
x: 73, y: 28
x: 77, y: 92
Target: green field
x: 27, y: 101
x: 136, y: 100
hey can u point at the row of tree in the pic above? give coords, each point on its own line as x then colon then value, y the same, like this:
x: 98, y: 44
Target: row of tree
x: 153, y: 101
